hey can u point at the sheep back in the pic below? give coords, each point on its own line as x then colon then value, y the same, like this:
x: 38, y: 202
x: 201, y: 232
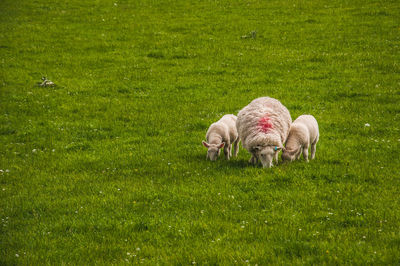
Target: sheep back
x: 225, y: 128
x: 311, y: 124
x: 264, y: 121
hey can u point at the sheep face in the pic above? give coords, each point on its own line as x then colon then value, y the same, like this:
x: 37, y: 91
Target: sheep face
x: 266, y: 154
x: 213, y: 150
x: 290, y: 155
x: 287, y: 156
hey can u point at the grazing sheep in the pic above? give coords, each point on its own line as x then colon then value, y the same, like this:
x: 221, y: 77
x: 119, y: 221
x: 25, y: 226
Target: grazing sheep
x: 222, y: 133
x: 302, y: 133
x: 263, y: 127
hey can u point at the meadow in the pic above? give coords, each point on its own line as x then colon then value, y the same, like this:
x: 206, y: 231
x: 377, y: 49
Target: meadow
x: 107, y: 167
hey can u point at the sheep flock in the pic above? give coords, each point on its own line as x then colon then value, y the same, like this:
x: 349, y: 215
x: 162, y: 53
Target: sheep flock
x: 265, y: 128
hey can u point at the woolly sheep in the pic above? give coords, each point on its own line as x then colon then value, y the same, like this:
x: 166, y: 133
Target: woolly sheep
x: 263, y: 127
x: 222, y: 133
x: 302, y: 133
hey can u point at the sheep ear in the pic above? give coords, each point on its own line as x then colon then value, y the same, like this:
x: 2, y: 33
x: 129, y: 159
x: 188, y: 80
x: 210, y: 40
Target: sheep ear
x: 205, y: 144
x: 276, y: 148
x: 221, y: 145
x: 256, y: 148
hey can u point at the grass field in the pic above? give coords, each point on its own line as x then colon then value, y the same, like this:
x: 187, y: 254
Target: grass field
x: 107, y: 167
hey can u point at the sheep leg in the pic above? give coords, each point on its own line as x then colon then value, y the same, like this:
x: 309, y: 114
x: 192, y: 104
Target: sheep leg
x: 305, y: 153
x: 298, y: 153
x: 313, y: 149
x: 236, y: 147
x: 276, y: 157
x: 253, y: 159
x: 227, y: 150
x: 226, y: 153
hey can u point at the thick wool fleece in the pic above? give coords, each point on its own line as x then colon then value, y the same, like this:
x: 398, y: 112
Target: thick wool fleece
x: 303, y: 133
x: 265, y: 121
x: 224, y: 131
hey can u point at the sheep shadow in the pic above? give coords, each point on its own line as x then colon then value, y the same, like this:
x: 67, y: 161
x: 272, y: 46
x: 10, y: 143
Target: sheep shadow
x: 240, y: 162
x: 234, y: 162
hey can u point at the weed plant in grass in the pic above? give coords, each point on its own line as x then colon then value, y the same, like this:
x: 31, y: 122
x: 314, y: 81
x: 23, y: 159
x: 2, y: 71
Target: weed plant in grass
x: 107, y: 167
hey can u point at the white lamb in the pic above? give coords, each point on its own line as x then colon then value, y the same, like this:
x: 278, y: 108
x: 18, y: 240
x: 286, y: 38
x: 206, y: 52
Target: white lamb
x: 302, y: 133
x: 222, y: 133
x: 263, y: 127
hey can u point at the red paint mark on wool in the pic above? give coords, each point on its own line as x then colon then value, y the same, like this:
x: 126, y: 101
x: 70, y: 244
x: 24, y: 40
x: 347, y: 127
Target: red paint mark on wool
x: 264, y: 124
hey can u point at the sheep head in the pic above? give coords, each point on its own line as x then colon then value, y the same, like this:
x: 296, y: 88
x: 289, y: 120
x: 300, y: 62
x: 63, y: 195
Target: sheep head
x: 213, y: 150
x: 290, y: 155
x: 266, y: 154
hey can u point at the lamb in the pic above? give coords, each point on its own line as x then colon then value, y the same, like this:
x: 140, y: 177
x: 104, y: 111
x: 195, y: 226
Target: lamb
x: 302, y: 133
x: 222, y: 133
x: 263, y: 127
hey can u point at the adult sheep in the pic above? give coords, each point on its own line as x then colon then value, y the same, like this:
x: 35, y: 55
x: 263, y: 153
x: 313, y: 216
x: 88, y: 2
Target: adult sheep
x: 263, y: 126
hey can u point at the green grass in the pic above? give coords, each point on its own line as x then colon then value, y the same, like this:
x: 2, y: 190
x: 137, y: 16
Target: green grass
x: 108, y: 167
